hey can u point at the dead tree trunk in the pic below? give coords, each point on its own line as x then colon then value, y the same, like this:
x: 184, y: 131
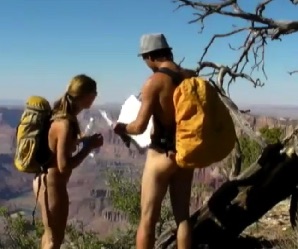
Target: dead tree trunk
x: 241, y: 202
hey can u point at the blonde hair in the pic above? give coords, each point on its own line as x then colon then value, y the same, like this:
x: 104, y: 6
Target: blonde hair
x: 79, y: 86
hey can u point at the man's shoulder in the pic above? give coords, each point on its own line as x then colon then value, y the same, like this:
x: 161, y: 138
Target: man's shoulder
x: 154, y: 81
x: 151, y: 87
x: 160, y: 77
x: 188, y: 73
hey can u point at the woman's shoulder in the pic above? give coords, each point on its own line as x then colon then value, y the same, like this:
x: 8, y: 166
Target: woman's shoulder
x: 65, y: 123
x: 59, y: 116
x: 60, y: 126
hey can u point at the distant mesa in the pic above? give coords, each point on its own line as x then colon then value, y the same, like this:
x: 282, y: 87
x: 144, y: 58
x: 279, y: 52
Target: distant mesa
x: 10, y: 115
x: 12, y: 102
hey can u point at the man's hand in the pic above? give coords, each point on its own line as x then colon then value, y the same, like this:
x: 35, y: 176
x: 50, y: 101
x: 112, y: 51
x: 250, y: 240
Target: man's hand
x: 93, y: 142
x: 96, y: 141
x: 119, y: 128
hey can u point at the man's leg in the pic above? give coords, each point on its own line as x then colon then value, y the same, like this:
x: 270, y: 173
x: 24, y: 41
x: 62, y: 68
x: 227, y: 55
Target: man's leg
x: 180, y: 193
x: 157, y: 172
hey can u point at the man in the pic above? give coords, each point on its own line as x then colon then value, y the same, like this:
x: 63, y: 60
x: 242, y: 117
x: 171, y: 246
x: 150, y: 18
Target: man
x: 161, y: 170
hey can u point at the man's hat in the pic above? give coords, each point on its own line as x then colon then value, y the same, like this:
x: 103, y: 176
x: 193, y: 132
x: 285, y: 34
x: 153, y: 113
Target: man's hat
x: 153, y: 42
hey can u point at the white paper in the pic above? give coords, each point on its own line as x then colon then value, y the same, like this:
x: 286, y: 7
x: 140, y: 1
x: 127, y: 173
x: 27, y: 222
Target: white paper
x: 128, y: 114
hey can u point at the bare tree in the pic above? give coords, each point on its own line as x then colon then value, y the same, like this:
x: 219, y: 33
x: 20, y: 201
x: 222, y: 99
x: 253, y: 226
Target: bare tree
x: 258, y: 29
x: 242, y: 201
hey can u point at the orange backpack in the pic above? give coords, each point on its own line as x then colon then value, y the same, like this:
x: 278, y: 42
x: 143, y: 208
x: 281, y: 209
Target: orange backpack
x: 205, y: 132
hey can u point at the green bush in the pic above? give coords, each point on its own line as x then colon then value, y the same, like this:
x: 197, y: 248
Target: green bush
x: 271, y: 135
x: 19, y: 233
x: 251, y: 150
x: 125, y: 197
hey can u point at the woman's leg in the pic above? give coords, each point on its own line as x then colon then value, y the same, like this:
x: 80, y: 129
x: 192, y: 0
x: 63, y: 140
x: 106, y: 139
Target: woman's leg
x: 53, y: 200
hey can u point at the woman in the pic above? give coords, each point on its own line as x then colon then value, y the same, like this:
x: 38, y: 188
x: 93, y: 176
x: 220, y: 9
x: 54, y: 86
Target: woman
x: 63, y: 139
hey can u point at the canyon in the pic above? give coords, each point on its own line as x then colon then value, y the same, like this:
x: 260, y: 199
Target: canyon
x: 89, y: 194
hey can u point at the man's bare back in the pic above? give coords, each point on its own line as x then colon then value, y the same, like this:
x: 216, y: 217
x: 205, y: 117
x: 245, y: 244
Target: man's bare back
x: 164, y: 110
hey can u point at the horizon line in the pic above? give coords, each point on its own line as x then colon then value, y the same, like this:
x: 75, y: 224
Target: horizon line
x: 18, y: 103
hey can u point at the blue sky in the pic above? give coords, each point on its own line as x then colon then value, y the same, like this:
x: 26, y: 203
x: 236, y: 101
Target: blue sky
x: 44, y: 43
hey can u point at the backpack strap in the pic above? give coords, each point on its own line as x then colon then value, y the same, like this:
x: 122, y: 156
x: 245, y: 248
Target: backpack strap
x: 39, y: 181
x: 175, y: 76
x: 176, y: 79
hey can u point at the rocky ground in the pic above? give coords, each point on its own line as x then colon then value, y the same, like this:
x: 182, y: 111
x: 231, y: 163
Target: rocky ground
x: 273, y: 230
x: 277, y: 219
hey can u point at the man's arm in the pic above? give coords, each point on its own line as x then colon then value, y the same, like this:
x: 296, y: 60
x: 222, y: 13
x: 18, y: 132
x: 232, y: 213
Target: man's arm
x: 149, y: 96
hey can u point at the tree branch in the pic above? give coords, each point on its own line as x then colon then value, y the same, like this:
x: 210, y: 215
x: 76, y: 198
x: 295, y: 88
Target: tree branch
x: 225, y: 70
x: 294, y: 2
x: 293, y: 72
x: 260, y: 28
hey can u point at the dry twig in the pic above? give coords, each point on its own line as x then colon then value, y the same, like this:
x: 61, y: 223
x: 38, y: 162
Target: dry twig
x: 260, y: 28
x: 293, y: 72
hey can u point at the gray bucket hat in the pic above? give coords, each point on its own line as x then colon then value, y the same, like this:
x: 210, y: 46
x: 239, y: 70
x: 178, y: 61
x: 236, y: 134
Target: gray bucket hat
x: 153, y: 42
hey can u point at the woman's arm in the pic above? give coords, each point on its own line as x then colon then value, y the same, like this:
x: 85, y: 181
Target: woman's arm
x: 66, y: 163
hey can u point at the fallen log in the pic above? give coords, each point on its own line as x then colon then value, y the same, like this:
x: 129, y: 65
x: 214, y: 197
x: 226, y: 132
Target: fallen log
x: 241, y: 202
